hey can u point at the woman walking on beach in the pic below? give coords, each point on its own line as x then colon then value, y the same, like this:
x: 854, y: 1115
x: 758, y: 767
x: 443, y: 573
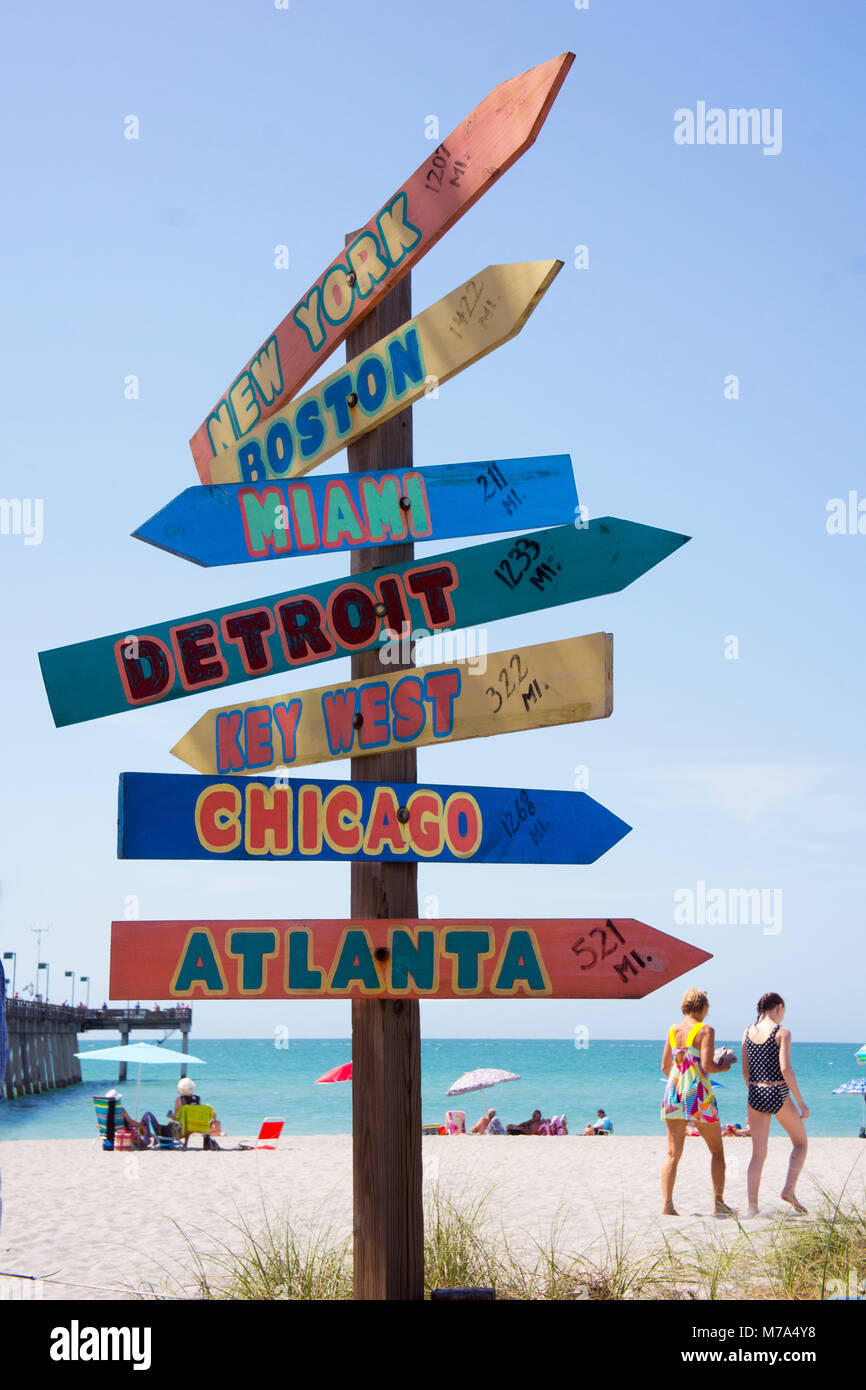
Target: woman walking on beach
x: 688, y: 1061
x: 768, y: 1073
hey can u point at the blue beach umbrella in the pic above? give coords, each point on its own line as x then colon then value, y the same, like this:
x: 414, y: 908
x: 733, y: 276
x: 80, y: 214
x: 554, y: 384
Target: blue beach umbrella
x: 145, y: 1054
x: 855, y: 1087
x: 861, y: 1056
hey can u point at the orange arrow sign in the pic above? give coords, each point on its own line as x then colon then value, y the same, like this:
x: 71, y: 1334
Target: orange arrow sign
x: 453, y: 177
x: 468, y: 958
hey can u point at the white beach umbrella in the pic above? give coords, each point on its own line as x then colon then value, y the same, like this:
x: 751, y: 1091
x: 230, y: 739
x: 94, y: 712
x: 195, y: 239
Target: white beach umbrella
x: 480, y: 1078
x: 857, y: 1087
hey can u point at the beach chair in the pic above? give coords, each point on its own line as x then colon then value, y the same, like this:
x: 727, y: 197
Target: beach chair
x: 157, y: 1138
x: 196, y: 1119
x: 104, y: 1107
x: 272, y: 1128
x: 455, y: 1122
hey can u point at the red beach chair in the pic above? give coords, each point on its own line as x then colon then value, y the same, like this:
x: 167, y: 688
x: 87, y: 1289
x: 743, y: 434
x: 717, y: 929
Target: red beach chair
x: 272, y: 1128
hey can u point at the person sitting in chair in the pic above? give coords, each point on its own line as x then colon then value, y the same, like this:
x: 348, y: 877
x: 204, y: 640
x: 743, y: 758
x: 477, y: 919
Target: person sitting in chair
x: 481, y: 1126
x: 186, y: 1095
x: 601, y: 1126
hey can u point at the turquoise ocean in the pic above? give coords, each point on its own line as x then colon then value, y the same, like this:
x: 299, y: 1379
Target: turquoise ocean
x: 246, y: 1079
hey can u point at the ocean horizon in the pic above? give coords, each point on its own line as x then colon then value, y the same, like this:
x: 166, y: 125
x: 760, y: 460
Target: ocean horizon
x: 246, y: 1079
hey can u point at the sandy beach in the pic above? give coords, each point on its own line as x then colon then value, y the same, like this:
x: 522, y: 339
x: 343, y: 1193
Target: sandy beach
x: 96, y: 1225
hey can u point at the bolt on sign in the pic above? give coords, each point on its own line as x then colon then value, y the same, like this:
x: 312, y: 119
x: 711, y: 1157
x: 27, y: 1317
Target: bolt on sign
x: 464, y: 958
x: 141, y: 666
x: 525, y: 688
x: 377, y: 384
x: 451, y: 179
x: 234, y: 523
x: 178, y: 816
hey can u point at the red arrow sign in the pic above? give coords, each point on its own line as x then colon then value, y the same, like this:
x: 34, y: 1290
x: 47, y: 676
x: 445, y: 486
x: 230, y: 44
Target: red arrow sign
x: 454, y: 176
x: 550, y: 958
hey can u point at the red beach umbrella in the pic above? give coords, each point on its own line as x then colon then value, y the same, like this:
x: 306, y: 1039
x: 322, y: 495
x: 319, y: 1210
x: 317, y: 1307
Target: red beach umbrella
x: 341, y: 1073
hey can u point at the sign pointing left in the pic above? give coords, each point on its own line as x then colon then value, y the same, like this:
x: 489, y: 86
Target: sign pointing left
x: 525, y: 688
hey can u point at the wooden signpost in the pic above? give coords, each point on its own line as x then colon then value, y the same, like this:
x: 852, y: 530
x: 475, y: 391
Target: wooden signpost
x: 142, y: 666
x: 453, y: 177
x: 389, y: 375
x: 463, y: 958
x: 166, y: 815
x: 235, y: 523
x: 257, y: 440
x: 522, y: 688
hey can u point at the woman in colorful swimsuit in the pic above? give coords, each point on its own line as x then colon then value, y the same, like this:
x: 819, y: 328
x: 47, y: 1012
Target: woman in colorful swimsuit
x: 688, y: 1061
x: 768, y: 1073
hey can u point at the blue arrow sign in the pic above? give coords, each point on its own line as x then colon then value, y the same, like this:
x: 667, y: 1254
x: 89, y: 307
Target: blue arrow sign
x: 169, y: 816
x: 234, y: 523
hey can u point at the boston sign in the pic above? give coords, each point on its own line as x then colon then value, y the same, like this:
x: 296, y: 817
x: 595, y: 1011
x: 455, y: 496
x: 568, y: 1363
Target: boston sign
x: 416, y: 358
x: 453, y: 177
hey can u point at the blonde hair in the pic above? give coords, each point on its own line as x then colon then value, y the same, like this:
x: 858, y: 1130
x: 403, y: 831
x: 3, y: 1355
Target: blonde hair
x: 694, y: 1000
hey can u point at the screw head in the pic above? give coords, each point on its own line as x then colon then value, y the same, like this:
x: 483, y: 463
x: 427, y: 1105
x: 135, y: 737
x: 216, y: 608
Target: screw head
x: 357, y: 720
x: 403, y: 814
x: 351, y: 278
x: 352, y: 398
x: 405, y: 504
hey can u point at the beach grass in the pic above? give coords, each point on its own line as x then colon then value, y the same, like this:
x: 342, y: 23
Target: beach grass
x: 796, y: 1258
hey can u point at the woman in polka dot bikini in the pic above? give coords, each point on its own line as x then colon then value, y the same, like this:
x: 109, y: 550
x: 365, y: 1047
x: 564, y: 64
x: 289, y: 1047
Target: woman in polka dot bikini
x: 768, y: 1073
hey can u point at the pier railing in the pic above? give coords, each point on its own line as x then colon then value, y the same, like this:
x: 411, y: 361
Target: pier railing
x: 43, y: 1039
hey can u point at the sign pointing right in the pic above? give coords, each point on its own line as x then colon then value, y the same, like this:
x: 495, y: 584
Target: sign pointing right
x: 141, y: 665
x: 453, y: 176
x: 416, y: 358
x: 464, y: 958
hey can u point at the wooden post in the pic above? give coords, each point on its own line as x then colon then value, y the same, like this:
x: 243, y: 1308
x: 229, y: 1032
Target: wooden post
x: 386, y: 1033
x: 124, y: 1039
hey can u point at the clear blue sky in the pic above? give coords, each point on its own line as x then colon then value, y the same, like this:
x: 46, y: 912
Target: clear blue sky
x: 155, y: 257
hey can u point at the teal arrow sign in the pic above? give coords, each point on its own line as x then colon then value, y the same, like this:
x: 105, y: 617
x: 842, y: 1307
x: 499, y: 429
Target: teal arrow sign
x: 149, y: 663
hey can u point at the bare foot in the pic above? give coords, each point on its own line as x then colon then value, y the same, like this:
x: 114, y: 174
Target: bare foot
x: 670, y: 1211
x: 753, y: 1211
x: 721, y: 1209
x: 798, y: 1206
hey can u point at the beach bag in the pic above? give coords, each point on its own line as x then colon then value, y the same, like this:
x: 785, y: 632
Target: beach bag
x: 215, y: 1126
x: 123, y: 1139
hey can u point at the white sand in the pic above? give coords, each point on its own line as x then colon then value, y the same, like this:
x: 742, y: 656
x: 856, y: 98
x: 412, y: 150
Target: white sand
x: 98, y: 1225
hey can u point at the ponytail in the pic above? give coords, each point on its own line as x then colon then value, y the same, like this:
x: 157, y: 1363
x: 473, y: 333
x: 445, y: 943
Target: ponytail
x: 767, y: 1002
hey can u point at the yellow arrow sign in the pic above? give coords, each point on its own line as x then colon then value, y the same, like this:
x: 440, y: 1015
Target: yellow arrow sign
x: 521, y: 688
x: 427, y: 350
